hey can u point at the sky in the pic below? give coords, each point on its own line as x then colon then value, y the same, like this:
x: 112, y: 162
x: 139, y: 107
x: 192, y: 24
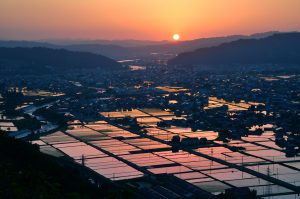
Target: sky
x: 144, y: 19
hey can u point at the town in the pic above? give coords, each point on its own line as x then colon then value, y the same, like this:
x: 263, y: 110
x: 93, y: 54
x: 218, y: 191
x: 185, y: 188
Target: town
x: 165, y: 131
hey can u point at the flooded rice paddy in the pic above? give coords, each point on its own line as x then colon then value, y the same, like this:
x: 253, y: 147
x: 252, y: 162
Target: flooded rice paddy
x: 121, y: 154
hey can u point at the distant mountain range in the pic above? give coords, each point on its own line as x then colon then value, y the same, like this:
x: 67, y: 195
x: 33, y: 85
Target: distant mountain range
x: 276, y: 49
x: 42, y: 60
x: 263, y: 48
x: 129, y: 49
x: 122, y: 43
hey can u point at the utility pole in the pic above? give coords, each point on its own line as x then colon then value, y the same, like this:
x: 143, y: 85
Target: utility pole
x: 269, y: 188
x: 82, y: 160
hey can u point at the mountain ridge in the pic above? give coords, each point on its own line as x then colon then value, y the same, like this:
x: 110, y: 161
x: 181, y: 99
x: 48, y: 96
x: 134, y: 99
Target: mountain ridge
x: 124, y: 52
x: 41, y: 59
x: 280, y: 48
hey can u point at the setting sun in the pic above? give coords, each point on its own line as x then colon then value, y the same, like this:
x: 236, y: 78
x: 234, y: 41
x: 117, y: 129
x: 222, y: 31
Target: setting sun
x: 176, y: 37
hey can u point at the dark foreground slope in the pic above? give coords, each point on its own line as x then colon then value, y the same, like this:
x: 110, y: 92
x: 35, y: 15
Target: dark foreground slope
x: 276, y: 49
x: 41, y: 60
x: 25, y: 173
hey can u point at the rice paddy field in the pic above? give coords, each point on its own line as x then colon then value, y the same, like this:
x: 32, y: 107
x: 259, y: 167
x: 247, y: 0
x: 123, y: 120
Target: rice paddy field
x: 120, y: 154
x: 214, y: 102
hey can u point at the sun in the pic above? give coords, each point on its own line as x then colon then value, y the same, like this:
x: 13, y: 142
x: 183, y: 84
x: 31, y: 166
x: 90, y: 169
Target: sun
x: 176, y: 37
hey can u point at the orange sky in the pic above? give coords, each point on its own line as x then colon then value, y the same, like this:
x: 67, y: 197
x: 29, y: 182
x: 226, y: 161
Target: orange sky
x: 144, y: 19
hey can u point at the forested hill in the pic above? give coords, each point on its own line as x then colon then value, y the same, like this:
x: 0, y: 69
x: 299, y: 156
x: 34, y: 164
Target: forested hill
x: 40, y: 59
x: 277, y: 49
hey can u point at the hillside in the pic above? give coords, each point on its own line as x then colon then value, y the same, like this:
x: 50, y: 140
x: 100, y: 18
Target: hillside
x: 277, y: 49
x: 39, y: 60
x: 26, y: 173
